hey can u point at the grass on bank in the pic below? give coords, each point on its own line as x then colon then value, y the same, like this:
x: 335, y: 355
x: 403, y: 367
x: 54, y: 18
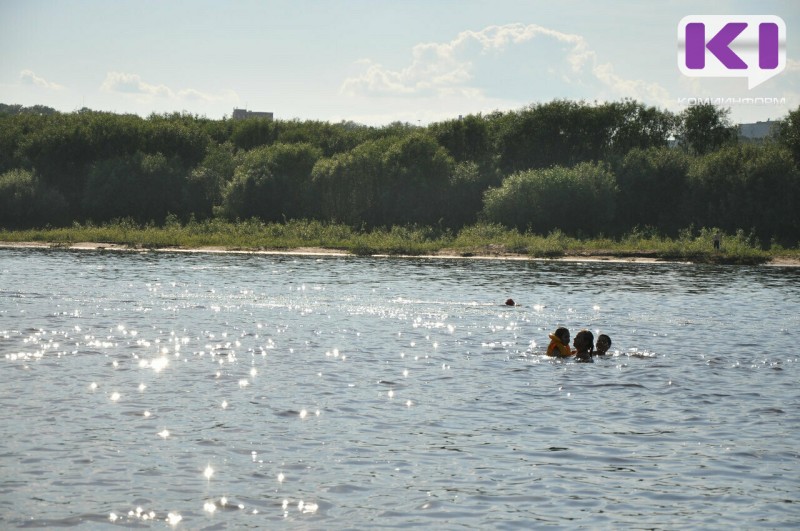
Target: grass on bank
x: 477, y: 240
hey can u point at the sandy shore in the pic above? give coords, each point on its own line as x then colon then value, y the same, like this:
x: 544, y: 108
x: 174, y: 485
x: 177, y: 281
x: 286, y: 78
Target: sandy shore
x: 322, y: 252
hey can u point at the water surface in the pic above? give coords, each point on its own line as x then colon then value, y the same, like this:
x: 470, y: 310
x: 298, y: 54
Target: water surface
x: 248, y: 391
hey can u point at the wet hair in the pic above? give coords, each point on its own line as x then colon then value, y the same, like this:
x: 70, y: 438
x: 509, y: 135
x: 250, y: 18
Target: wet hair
x: 587, y: 338
x: 560, y: 332
x: 510, y: 302
x: 603, y: 337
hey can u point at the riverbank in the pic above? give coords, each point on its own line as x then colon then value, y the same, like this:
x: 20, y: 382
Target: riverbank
x: 478, y: 241
x: 496, y: 254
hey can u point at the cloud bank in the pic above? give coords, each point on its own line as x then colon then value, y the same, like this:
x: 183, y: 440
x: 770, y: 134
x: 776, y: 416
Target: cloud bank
x: 511, y: 62
x: 28, y: 77
x: 133, y: 85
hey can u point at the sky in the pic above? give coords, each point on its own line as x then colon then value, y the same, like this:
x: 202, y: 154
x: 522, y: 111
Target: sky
x: 373, y: 61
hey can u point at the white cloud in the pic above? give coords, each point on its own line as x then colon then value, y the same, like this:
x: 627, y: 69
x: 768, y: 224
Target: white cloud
x: 28, y: 77
x: 132, y: 84
x: 479, y: 64
x: 196, y: 95
x: 636, y: 89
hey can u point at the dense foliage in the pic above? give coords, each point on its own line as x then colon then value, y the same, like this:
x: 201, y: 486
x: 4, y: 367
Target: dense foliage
x: 583, y: 169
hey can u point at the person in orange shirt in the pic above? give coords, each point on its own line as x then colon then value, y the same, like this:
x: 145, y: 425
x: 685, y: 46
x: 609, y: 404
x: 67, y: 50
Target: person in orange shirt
x: 559, y: 343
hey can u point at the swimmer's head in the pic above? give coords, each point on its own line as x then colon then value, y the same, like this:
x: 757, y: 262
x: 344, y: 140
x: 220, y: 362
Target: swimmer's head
x: 603, y: 343
x: 562, y: 334
x: 510, y: 302
x: 584, y: 341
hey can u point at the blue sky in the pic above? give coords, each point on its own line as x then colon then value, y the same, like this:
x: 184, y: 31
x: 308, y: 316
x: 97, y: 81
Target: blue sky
x: 370, y: 61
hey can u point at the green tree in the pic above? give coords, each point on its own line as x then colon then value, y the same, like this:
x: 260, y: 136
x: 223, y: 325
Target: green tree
x: 636, y: 126
x: 39, y: 110
x: 176, y: 135
x: 207, y: 181
x: 15, y: 130
x: 27, y: 202
x: 272, y: 183
x: 383, y: 182
x: 63, y: 147
x: 577, y: 200
x: 329, y: 138
x: 142, y: 187
x: 789, y: 133
x: 60, y: 153
x: 416, y: 175
x: 466, y: 139
x: 651, y: 189
x: 463, y: 200
x: 560, y: 132
x: 347, y: 184
x: 705, y: 128
x: 750, y: 187
x: 252, y: 133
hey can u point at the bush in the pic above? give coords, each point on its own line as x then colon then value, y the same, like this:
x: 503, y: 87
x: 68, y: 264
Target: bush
x: 576, y: 200
x: 142, y: 187
x: 271, y: 183
x: 651, y: 187
x: 746, y: 186
x: 27, y: 202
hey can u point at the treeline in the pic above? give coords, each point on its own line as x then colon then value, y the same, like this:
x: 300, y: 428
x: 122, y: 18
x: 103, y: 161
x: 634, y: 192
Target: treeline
x: 585, y: 169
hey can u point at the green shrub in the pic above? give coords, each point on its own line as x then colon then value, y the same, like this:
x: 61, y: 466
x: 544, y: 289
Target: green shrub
x: 576, y: 200
x: 27, y: 202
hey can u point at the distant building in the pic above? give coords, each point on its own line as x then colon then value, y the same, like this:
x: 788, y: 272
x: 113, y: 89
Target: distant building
x: 244, y: 114
x: 758, y: 130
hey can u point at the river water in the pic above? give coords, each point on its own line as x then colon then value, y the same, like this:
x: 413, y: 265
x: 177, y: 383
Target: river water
x: 225, y: 391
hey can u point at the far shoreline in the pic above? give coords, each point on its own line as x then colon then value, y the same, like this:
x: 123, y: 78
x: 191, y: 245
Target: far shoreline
x: 639, y: 258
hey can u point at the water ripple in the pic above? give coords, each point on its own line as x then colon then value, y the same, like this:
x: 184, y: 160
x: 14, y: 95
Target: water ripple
x: 212, y: 392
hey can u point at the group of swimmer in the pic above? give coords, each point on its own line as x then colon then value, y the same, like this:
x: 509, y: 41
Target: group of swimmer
x: 584, y: 345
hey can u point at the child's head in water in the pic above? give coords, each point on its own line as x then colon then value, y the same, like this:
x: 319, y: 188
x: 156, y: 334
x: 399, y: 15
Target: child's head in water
x: 584, y: 345
x: 603, y: 344
x: 559, y: 343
